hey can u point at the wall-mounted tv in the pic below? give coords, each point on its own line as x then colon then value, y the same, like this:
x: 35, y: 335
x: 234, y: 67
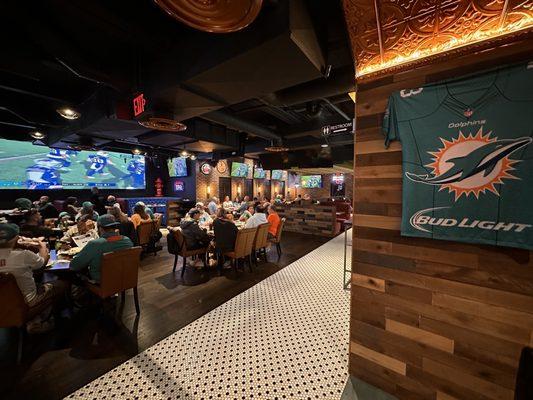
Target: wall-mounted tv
x: 311, y: 181
x: 177, y: 167
x: 239, y: 170
x: 259, y: 173
x: 277, y: 174
x: 27, y: 166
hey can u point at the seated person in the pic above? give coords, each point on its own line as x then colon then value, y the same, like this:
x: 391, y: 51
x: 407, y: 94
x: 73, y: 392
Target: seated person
x: 46, y: 208
x: 147, y: 210
x: 21, y: 263
x: 126, y: 227
x: 205, y: 218
x: 274, y: 221
x: 84, y: 225
x: 279, y: 199
x: 225, y: 232
x: 257, y: 219
x: 32, y: 226
x: 228, y: 204
x: 195, y: 237
x: 23, y: 204
x: 244, y: 205
x: 247, y: 214
x: 64, y: 220
x: 70, y: 206
x: 140, y: 215
x: 110, y: 202
x: 212, y: 207
x: 87, y: 208
x: 97, y: 201
x: 89, y: 258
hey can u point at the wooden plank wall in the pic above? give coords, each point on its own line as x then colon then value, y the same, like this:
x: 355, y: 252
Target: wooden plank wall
x: 310, y: 219
x: 430, y: 319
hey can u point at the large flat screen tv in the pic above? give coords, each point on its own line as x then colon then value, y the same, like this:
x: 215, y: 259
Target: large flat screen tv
x: 27, y: 166
x: 277, y: 174
x: 239, y: 170
x: 177, y: 167
x: 311, y: 181
x: 259, y: 173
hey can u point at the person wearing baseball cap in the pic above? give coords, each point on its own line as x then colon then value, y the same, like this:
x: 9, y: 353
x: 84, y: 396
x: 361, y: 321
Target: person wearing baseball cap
x: 88, y: 260
x: 195, y: 237
x: 87, y: 208
x: 21, y: 264
x: 23, y: 204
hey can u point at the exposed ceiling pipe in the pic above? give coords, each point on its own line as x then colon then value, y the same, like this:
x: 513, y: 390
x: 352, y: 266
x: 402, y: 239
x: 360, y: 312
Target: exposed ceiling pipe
x: 337, y: 109
x: 243, y: 125
x: 340, y: 81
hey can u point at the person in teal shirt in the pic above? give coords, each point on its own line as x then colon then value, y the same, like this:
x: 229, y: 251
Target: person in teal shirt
x: 110, y: 240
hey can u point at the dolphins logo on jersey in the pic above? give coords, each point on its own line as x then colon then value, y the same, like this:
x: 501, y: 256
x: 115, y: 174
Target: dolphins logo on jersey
x: 472, y: 164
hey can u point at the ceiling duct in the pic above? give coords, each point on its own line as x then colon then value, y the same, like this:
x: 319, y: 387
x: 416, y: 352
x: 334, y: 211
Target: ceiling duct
x: 341, y: 81
x: 242, y: 125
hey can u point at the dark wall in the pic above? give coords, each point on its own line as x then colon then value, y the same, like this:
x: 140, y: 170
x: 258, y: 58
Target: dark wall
x: 189, y: 183
x: 153, y: 170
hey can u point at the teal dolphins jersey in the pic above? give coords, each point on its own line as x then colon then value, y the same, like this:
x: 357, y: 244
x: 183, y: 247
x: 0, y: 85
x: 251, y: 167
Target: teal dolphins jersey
x: 467, y: 163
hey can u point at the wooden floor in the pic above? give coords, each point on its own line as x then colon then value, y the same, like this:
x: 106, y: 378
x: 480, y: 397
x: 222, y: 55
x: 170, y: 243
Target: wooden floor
x: 81, y: 349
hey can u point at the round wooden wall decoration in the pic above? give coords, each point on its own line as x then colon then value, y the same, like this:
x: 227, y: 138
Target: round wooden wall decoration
x: 222, y: 166
x: 217, y: 16
x: 205, y: 169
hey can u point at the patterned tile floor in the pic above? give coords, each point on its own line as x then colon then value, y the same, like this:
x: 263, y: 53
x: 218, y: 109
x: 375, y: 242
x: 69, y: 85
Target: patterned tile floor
x: 284, y: 338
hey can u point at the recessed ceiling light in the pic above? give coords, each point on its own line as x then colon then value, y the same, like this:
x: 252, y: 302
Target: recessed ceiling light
x: 324, y: 145
x: 137, y: 152
x: 193, y: 157
x: 184, y: 153
x: 68, y: 113
x: 37, y: 135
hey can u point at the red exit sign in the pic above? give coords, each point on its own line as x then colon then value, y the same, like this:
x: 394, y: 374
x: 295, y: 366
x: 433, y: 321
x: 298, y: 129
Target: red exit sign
x: 139, y: 103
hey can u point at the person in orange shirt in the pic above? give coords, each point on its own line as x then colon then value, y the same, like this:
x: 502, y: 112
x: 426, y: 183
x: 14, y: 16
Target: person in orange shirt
x: 139, y: 215
x: 274, y: 220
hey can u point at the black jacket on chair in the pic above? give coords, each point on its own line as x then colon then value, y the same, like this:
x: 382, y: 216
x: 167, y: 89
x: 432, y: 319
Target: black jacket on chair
x: 195, y: 237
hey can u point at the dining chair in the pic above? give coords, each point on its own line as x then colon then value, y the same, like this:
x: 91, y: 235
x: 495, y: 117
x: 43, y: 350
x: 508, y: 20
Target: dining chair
x: 261, y: 241
x: 243, y: 246
x: 176, y: 245
x: 15, y: 312
x: 146, y: 231
x: 119, y: 271
x: 277, y: 239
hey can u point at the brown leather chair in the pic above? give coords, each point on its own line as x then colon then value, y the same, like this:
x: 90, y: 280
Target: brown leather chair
x: 243, y: 246
x: 146, y: 231
x: 15, y: 313
x: 176, y: 245
x: 261, y: 241
x: 277, y: 240
x: 119, y: 271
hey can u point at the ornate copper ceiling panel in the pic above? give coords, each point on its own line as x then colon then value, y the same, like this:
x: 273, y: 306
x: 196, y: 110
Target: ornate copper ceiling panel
x: 391, y: 35
x: 217, y: 16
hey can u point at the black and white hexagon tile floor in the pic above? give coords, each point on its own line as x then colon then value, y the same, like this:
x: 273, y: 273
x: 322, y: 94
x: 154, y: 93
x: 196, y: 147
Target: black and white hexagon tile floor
x: 284, y: 338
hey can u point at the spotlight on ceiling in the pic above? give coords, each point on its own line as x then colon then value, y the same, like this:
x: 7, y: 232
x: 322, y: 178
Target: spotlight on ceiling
x: 193, y: 157
x: 324, y: 145
x: 68, y: 113
x: 137, y: 152
x: 184, y: 153
x: 37, y: 135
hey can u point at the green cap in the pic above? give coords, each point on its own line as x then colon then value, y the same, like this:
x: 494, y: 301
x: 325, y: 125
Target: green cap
x: 106, y: 221
x: 63, y: 214
x: 23, y: 203
x: 87, y: 205
x: 8, y: 232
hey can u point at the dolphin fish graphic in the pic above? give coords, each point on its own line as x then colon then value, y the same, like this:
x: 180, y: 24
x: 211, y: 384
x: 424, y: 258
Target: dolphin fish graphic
x: 482, y: 159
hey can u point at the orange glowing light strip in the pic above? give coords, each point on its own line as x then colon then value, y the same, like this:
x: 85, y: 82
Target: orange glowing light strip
x: 452, y: 44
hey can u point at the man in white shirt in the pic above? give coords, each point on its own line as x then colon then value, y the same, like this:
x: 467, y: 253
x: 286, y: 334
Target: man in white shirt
x: 257, y: 219
x: 21, y: 264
